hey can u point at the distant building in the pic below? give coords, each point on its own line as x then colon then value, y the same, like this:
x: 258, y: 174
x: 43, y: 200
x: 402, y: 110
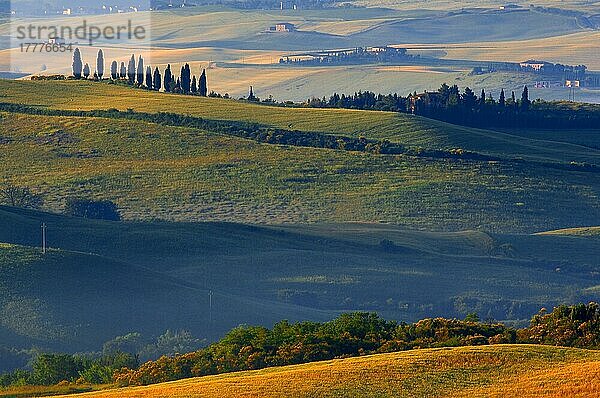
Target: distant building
x: 56, y: 40
x: 535, y: 65
x: 283, y: 27
x: 510, y: 7
x: 572, y: 83
x: 67, y: 11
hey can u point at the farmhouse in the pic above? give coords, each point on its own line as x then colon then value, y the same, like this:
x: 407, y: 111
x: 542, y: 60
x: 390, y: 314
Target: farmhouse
x: 535, y: 65
x: 283, y: 27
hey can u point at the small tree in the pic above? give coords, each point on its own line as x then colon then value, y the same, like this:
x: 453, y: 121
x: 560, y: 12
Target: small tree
x: 525, y: 102
x: 86, y: 71
x: 502, y: 100
x: 194, y: 86
x: 15, y: 196
x: 113, y: 70
x: 131, y: 70
x: 122, y: 71
x: 203, y: 85
x: 156, y: 80
x: 100, y: 64
x: 77, y: 64
x: 168, y: 77
x: 140, y: 71
x: 148, y: 78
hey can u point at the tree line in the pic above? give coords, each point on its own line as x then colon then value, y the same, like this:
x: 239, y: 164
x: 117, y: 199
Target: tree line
x: 351, y: 334
x: 140, y: 75
x: 466, y: 108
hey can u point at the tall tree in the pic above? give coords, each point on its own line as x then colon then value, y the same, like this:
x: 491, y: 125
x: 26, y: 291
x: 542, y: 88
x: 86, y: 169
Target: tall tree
x: 86, y: 71
x: 185, y: 78
x: 194, y: 86
x: 131, y: 70
x: 482, y: 98
x: 122, y: 71
x: 202, y: 85
x: 113, y: 70
x: 525, y: 103
x: 77, y: 64
x: 148, y: 77
x: 469, y: 98
x: 100, y: 64
x: 140, y: 71
x: 168, y: 77
x: 156, y: 80
x: 502, y: 100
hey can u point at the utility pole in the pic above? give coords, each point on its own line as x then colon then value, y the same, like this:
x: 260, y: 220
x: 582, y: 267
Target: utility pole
x: 210, y: 296
x: 44, y: 238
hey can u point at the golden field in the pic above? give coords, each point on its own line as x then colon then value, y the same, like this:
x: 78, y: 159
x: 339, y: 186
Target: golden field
x: 486, y: 371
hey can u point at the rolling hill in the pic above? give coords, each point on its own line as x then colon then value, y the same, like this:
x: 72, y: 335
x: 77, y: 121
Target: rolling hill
x: 160, y: 275
x: 179, y: 173
x: 488, y: 371
x: 333, y: 230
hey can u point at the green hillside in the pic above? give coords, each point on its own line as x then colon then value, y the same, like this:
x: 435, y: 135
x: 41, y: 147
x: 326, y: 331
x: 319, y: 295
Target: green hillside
x: 406, y: 129
x: 155, y: 171
x: 346, y: 230
x: 149, y: 277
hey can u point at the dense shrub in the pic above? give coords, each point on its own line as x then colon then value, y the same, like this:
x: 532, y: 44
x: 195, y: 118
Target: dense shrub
x: 255, y: 347
x: 572, y: 326
x: 100, y: 210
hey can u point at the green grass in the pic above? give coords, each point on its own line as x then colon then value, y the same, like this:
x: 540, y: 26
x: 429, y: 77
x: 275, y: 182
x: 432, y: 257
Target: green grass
x: 183, y: 174
x: 491, y: 371
x: 290, y: 270
x: 260, y: 275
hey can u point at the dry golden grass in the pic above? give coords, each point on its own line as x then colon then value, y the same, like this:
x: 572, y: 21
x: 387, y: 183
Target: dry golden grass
x: 570, y: 48
x: 583, y: 231
x: 580, y: 379
x: 507, y: 370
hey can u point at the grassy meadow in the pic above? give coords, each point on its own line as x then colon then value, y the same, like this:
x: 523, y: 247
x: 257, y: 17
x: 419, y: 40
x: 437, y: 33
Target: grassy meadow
x: 175, y: 173
x: 488, y: 371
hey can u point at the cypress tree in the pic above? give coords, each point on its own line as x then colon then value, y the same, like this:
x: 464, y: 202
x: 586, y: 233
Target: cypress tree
x: 140, y: 71
x: 123, y: 71
x: 172, y: 84
x: 100, y: 64
x: 77, y: 64
x: 502, y: 100
x: 148, y: 78
x: 525, y: 103
x: 131, y: 70
x: 113, y: 70
x: 185, y: 78
x: 168, y: 77
x: 202, y: 85
x: 482, y: 98
x: 178, y: 85
x: 86, y: 71
x: 194, y: 87
x: 156, y: 80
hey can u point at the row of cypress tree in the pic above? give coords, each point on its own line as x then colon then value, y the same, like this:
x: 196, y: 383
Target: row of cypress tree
x: 140, y: 76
